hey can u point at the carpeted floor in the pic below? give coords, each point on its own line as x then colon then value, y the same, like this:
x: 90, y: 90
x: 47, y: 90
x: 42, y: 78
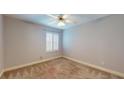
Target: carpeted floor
x: 60, y: 68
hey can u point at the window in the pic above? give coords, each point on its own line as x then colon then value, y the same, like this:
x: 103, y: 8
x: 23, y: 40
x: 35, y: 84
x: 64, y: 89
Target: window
x: 49, y: 42
x: 55, y: 42
x: 52, y: 42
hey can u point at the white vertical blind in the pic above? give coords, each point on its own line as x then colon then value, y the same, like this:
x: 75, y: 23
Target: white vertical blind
x: 52, y: 42
x: 49, y: 42
x: 55, y: 42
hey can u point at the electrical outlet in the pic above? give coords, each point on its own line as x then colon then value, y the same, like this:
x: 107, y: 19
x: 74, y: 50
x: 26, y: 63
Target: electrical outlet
x: 41, y: 57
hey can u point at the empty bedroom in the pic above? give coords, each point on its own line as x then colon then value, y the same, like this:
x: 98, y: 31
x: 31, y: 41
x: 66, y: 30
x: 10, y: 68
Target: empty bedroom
x: 61, y: 46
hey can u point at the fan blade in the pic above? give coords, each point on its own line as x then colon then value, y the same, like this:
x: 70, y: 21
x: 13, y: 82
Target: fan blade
x: 65, y: 16
x: 55, y: 17
x: 53, y: 22
x: 68, y: 21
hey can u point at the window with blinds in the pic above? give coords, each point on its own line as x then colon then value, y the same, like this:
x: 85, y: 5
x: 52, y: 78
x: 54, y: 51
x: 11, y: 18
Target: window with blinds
x: 52, y: 42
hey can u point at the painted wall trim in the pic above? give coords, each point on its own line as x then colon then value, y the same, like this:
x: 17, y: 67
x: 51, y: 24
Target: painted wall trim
x: 95, y: 66
x: 29, y: 64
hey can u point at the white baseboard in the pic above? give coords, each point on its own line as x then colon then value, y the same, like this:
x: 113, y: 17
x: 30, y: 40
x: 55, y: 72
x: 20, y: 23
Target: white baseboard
x: 97, y: 67
x: 29, y: 64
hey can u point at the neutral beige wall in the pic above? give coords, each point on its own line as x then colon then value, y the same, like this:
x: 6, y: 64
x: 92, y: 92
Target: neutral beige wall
x: 25, y: 42
x: 1, y: 44
x: 100, y: 42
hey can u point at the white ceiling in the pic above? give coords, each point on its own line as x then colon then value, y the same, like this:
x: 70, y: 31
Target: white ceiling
x: 44, y: 19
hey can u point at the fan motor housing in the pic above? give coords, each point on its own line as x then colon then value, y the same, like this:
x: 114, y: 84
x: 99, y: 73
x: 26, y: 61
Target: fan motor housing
x: 60, y: 18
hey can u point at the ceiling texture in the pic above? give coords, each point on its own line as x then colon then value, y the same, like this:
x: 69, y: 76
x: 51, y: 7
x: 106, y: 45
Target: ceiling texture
x: 45, y: 19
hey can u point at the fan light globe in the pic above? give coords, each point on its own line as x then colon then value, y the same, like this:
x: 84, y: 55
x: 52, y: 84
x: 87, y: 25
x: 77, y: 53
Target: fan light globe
x: 61, y: 23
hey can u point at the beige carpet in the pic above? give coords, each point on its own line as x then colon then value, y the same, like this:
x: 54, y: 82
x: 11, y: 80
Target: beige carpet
x: 60, y: 68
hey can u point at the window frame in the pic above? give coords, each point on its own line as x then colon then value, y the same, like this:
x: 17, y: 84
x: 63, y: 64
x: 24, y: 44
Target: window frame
x: 53, y: 49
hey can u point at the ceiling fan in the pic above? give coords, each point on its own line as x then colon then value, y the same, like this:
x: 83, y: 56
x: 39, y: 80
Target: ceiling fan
x: 61, y: 19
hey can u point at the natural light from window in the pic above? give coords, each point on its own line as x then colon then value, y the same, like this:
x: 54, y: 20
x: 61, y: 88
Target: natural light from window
x: 52, y: 42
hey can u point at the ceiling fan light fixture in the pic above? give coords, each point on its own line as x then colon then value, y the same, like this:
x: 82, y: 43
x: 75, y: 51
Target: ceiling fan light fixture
x: 61, y: 23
